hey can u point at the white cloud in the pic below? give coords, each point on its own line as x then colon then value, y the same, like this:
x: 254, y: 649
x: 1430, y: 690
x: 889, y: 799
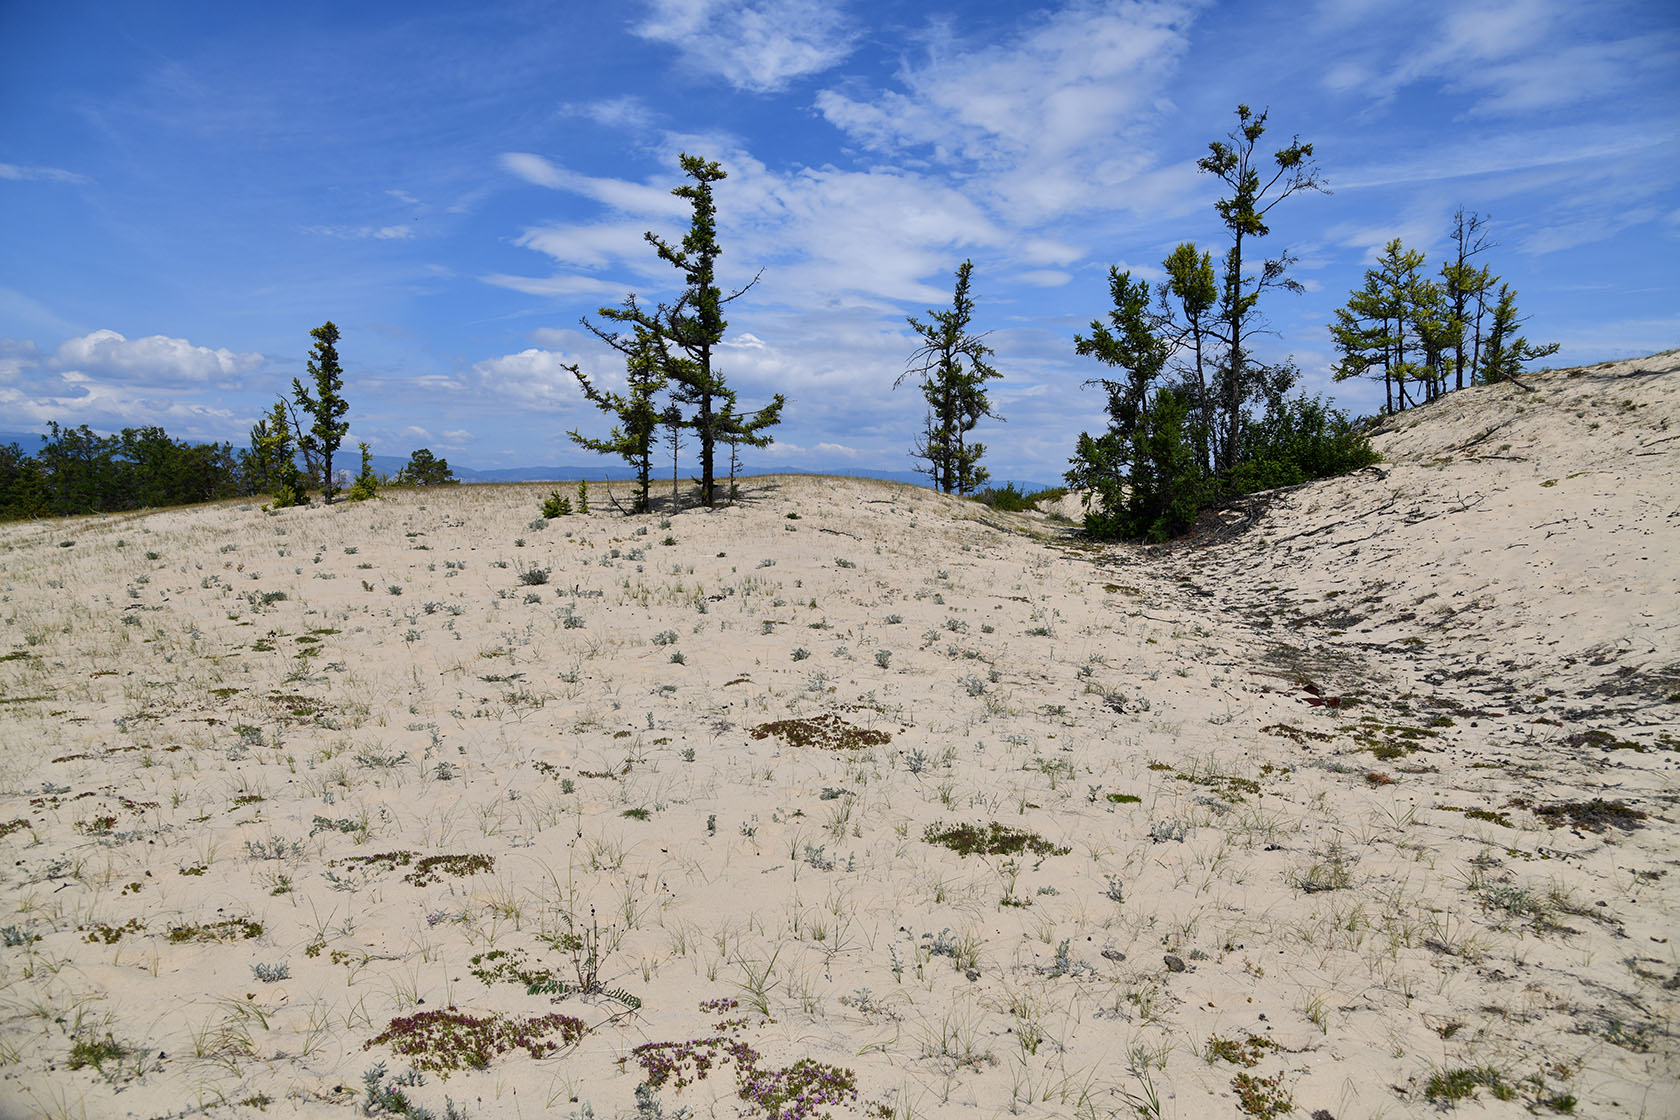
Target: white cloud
x: 1511, y: 58
x: 618, y: 194
x: 626, y: 112
x: 19, y: 174
x: 558, y: 285
x: 533, y: 378
x: 156, y: 360
x: 363, y: 233
x: 1054, y: 118
x: 16, y: 356
x: 760, y: 45
x: 1044, y: 277
x: 105, y: 407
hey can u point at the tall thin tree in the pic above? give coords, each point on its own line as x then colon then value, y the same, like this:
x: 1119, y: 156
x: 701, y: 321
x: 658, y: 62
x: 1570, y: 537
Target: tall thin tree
x: 952, y: 365
x: 1235, y: 162
x: 694, y: 325
x: 638, y: 416
x: 327, y: 406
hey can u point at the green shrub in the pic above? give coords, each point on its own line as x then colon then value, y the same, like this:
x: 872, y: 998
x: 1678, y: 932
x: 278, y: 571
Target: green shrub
x: 556, y: 505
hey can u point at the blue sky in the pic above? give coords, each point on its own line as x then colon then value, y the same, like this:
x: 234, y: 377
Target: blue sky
x: 187, y: 189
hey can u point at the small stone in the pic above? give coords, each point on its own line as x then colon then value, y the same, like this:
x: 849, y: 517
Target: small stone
x: 1174, y: 964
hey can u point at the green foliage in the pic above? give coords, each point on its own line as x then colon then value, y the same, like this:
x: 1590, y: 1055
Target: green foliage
x: 556, y: 505
x: 1238, y: 379
x: 367, y: 482
x: 951, y: 363
x: 326, y: 406
x: 425, y: 469
x: 991, y: 839
x: 825, y: 732
x: 1507, y: 351
x: 77, y: 471
x: 637, y: 413
x: 1461, y: 1084
x: 1174, y: 444
x: 1414, y: 331
x: 673, y: 346
x: 273, y: 455
x: 1301, y: 439
x: 96, y: 1052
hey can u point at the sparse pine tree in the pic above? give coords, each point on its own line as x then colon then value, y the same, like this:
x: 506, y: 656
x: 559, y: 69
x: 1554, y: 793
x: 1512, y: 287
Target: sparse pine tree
x: 1192, y: 283
x: 1383, y: 326
x: 1507, y: 351
x: 691, y: 329
x: 951, y: 363
x: 271, y: 448
x: 1240, y: 379
x: 366, y: 484
x: 638, y: 416
x: 326, y: 406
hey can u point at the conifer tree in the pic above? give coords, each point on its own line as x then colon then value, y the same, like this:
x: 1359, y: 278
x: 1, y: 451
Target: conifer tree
x: 1389, y: 324
x: 326, y: 406
x: 1467, y: 290
x: 1190, y: 280
x: 1507, y: 351
x: 645, y: 362
x: 276, y: 459
x: 951, y: 363
x: 694, y: 326
x: 1240, y: 379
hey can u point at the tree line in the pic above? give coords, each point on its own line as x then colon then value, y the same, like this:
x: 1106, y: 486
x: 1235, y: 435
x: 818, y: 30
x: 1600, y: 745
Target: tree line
x: 1194, y: 415
x: 77, y: 471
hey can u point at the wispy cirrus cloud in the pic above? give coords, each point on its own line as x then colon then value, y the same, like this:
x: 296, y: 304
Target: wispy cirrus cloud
x: 759, y: 46
x: 21, y: 174
x: 364, y: 232
x: 1053, y: 117
x: 626, y: 112
x: 1512, y: 57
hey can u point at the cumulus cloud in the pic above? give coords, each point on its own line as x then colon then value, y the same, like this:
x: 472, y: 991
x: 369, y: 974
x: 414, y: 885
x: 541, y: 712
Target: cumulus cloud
x: 534, y: 378
x: 156, y: 360
x: 759, y: 46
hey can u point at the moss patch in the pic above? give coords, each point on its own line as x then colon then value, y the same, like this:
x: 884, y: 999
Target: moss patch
x: 827, y: 732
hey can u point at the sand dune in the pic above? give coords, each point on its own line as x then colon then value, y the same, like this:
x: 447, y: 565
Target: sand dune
x: 1365, y: 807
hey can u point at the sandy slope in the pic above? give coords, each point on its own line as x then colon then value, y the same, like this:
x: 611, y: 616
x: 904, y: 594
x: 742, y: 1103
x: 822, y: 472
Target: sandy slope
x: 1389, y: 747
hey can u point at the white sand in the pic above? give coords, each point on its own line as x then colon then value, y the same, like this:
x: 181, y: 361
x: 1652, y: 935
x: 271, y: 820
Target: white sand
x: 217, y: 714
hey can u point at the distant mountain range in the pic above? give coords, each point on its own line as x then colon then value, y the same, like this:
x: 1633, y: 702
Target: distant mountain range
x: 601, y: 469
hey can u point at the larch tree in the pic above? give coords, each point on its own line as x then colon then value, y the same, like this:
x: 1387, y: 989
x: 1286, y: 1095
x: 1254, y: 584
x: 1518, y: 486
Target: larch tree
x: 1142, y: 473
x: 1378, y: 329
x: 326, y: 406
x: 694, y: 326
x: 1467, y: 290
x: 638, y: 415
x: 273, y: 458
x: 952, y: 366
x: 1192, y: 284
x: 1234, y: 161
x: 1507, y: 351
